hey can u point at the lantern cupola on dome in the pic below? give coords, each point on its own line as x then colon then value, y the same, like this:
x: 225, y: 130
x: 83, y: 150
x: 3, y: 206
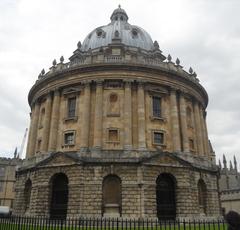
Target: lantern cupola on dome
x: 119, y: 28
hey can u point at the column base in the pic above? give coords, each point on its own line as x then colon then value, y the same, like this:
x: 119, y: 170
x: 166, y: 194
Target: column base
x: 128, y: 147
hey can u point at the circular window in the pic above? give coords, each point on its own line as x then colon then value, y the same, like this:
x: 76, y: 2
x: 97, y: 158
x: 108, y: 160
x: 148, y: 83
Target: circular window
x: 99, y: 33
x: 113, y: 98
x: 134, y: 33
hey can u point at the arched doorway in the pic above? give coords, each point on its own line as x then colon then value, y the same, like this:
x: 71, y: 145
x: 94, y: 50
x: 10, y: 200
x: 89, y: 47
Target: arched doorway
x: 165, y: 195
x: 112, y: 190
x: 27, y: 194
x: 59, y: 196
x: 202, y: 196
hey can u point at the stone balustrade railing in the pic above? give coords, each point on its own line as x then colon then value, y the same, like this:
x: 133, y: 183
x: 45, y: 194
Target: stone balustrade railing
x: 165, y: 66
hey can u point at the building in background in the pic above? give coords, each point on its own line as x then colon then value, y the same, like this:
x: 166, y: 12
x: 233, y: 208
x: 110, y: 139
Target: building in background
x: 118, y: 131
x: 7, y: 180
x: 229, y: 184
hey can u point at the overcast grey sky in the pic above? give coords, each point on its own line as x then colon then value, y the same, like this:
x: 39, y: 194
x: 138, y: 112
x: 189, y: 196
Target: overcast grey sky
x: 204, y: 34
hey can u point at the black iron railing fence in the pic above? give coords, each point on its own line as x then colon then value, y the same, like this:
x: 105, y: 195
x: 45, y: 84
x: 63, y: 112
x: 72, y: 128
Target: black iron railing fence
x: 83, y: 223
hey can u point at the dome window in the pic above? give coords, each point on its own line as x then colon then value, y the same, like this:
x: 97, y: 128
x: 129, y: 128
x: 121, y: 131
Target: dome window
x: 121, y: 18
x: 134, y: 33
x: 99, y: 33
x: 116, y: 18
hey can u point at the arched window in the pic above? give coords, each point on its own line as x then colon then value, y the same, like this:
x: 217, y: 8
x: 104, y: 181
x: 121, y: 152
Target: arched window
x: 27, y: 194
x: 165, y: 197
x: 202, y: 196
x: 112, y: 191
x: 59, y: 196
x: 189, y: 117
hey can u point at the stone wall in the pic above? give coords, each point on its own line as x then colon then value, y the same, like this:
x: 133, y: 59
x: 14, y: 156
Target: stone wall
x: 138, y: 190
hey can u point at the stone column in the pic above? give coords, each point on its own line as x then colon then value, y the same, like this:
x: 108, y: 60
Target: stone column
x: 28, y: 154
x: 141, y: 117
x: 204, y: 131
x: 46, y: 124
x: 33, y: 138
x: 98, y: 115
x: 54, y: 122
x: 175, y: 122
x: 128, y: 116
x: 86, y: 117
x: 198, y: 129
x: 183, y: 118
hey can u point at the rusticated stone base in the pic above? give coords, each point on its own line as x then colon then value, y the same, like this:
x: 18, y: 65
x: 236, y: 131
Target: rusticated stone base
x: 138, y: 186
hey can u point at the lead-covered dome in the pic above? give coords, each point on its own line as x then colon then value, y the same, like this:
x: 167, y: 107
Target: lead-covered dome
x: 119, y: 30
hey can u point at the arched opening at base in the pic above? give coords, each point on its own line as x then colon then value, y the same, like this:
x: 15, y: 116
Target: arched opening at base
x: 202, y: 196
x: 165, y: 195
x: 59, y: 196
x: 111, y: 203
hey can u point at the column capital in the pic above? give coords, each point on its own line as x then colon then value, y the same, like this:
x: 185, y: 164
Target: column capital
x: 56, y: 91
x: 173, y: 90
x: 141, y: 83
x: 86, y: 83
x: 49, y: 95
x: 99, y: 82
x: 128, y: 82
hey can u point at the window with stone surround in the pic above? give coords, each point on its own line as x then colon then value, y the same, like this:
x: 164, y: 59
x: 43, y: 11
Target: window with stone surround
x: 41, y: 120
x: 1, y: 185
x: 39, y: 143
x: 156, y: 107
x: 69, y: 138
x: 189, y: 117
x: 158, y: 137
x: 113, y: 135
x: 191, y: 144
x: 113, y: 105
x: 71, y: 112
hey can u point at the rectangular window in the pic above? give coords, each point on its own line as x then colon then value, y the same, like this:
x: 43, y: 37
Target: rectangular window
x: 156, y: 106
x: 1, y: 186
x: 113, y: 135
x: 191, y: 144
x: 71, y: 107
x: 69, y: 138
x: 39, y: 143
x: 158, y: 138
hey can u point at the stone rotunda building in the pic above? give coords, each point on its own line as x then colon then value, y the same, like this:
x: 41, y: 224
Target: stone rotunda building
x: 118, y: 131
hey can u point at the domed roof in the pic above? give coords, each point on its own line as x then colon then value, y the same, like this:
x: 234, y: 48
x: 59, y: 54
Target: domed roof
x: 119, y: 30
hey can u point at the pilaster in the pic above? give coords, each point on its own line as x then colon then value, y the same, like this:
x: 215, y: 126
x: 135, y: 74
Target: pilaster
x: 198, y: 129
x: 98, y: 115
x: 86, y: 117
x: 141, y: 117
x: 183, y: 118
x: 54, y: 121
x: 175, y: 121
x: 33, y: 137
x: 128, y: 115
x: 46, y: 125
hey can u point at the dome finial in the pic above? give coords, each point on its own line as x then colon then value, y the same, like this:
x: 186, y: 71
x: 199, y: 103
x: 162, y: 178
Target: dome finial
x: 119, y: 14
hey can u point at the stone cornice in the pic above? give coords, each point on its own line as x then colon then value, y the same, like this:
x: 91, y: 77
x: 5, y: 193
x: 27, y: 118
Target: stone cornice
x: 85, y: 70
